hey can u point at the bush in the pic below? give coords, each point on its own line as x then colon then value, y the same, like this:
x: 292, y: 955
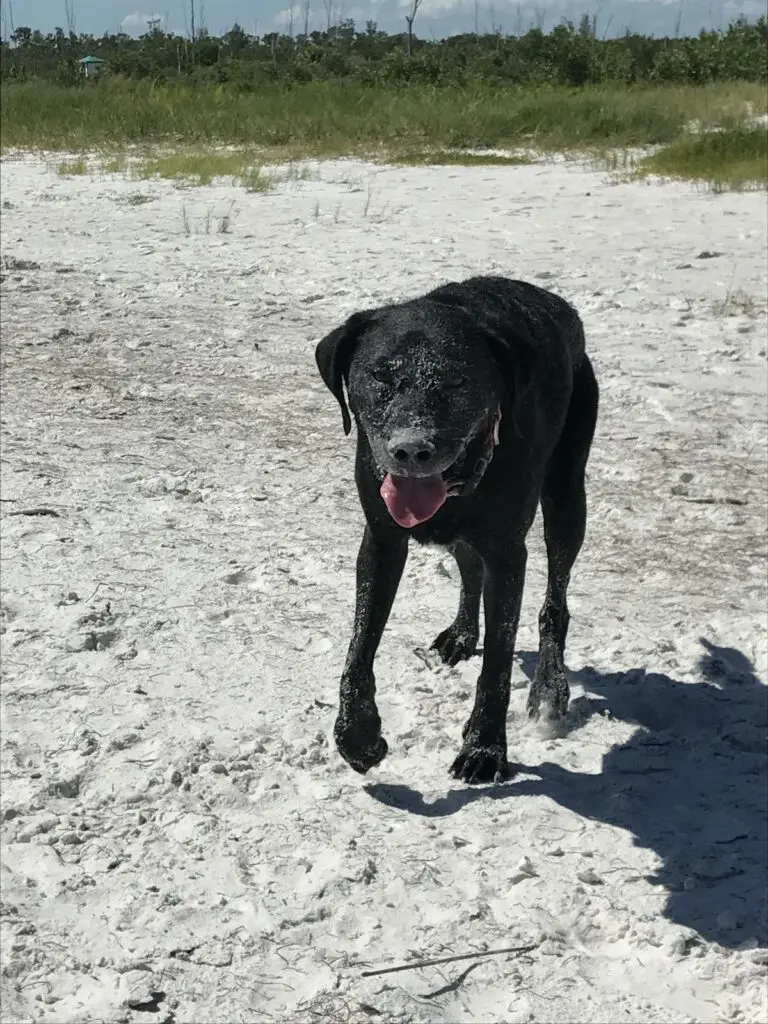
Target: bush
x: 568, y: 55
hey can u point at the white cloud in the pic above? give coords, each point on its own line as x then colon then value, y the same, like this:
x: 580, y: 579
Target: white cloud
x: 139, y: 21
x: 435, y: 8
x: 289, y: 18
x: 657, y: 17
x: 318, y: 15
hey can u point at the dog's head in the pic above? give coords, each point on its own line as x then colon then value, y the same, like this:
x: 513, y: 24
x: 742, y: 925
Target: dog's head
x: 425, y: 382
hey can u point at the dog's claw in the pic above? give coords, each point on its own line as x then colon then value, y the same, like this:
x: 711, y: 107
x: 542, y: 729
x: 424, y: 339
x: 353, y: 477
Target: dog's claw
x: 477, y: 764
x: 455, y: 645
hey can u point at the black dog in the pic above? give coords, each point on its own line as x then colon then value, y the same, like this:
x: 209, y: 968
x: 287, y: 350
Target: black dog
x: 472, y: 403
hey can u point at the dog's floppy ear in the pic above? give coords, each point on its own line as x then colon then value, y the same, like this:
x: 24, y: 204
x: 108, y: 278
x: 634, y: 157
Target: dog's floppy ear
x: 333, y: 356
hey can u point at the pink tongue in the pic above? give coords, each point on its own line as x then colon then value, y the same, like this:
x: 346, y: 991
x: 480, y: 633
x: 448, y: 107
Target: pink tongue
x: 413, y: 500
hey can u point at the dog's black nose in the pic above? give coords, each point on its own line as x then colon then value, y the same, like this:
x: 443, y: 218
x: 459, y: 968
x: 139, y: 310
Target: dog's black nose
x: 411, y: 452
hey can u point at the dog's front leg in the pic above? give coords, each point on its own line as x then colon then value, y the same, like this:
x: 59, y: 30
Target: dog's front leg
x: 380, y: 564
x: 483, y: 756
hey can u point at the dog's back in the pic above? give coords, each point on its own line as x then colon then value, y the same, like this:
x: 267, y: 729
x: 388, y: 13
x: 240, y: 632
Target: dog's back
x: 548, y: 318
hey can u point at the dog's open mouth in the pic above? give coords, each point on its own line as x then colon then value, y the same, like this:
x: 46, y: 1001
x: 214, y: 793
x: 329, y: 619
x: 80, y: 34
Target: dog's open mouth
x: 412, y: 500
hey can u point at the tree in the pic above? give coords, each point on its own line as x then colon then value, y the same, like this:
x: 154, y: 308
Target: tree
x: 410, y: 18
x: 22, y: 36
x: 236, y: 40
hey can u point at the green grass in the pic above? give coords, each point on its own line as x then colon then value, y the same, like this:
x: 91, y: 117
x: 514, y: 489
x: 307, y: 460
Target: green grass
x: 200, y: 168
x: 733, y: 159
x: 455, y: 158
x: 68, y: 168
x: 333, y: 119
x: 115, y: 164
x: 189, y: 166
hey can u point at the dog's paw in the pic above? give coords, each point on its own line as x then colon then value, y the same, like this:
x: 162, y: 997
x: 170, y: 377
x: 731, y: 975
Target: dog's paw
x: 455, y: 645
x: 359, y: 740
x: 548, y: 696
x: 481, y: 763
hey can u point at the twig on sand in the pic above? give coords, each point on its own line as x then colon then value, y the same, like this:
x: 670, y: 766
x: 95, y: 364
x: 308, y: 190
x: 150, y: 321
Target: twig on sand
x: 716, y: 501
x: 36, y: 512
x: 452, y: 986
x: 478, y: 955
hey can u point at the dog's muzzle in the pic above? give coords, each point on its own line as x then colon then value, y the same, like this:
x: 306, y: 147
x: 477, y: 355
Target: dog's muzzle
x: 412, y: 500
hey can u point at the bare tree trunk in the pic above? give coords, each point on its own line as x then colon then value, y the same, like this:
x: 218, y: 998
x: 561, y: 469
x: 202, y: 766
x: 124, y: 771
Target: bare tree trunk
x: 69, y: 11
x: 410, y: 18
x: 192, y: 19
x: 679, y: 19
x: 328, y: 5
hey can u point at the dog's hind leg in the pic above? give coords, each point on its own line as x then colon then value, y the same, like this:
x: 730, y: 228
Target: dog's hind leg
x: 459, y: 641
x: 357, y: 731
x: 564, y: 508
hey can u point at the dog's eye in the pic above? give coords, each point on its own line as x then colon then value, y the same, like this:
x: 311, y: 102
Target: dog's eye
x: 382, y: 376
x: 455, y: 382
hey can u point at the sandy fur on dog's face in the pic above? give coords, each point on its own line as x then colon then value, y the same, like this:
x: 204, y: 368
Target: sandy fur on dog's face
x: 422, y: 380
x: 177, y: 832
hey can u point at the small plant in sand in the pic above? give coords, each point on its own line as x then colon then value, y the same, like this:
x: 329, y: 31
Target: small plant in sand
x: 256, y: 179
x: 136, y: 199
x: 117, y: 163
x: 296, y: 172
x: 222, y: 222
x: 69, y: 168
x: 224, y: 225
x: 737, y: 302
x: 621, y: 163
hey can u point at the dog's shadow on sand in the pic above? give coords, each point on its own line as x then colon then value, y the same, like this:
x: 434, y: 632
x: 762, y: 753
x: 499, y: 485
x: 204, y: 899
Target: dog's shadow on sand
x: 690, y: 784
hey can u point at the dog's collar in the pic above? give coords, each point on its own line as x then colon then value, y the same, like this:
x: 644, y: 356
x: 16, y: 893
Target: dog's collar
x: 478, y: 460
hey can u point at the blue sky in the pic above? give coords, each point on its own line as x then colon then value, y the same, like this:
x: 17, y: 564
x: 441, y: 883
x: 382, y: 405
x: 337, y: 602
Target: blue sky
x: 435, y: 18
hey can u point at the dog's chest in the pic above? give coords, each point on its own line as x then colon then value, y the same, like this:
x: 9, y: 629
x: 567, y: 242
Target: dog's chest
x: 442, y: 530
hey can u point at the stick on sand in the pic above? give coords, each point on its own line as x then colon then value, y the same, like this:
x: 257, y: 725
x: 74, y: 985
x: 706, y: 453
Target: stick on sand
x: 447, y: 960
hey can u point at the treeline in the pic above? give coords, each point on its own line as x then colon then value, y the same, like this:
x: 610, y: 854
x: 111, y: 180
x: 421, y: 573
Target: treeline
x: 570, y: 55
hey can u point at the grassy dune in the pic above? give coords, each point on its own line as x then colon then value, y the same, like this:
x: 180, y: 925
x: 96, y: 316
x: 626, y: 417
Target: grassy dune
x: 328, y: 118
x: 733, y: 159
x: 417, y: 124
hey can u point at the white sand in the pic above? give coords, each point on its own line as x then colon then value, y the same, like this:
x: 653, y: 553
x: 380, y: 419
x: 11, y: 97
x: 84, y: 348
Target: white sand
x: 179, y: 834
